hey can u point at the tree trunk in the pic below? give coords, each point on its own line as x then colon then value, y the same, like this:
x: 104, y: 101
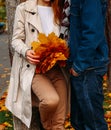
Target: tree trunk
x: 10, y: 8
x: 108, y: 34
x: 18, y: 125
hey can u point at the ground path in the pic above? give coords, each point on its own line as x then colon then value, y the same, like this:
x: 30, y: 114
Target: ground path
x: 4, y: 63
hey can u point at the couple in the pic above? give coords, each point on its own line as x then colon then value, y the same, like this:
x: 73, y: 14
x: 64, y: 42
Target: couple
x: 87, y: 63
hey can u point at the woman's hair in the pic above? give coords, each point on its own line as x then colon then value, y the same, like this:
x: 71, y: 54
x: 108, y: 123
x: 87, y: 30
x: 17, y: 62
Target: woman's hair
x: 57, y: 6
x: 22, y: 1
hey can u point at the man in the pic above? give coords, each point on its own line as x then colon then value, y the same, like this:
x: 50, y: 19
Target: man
x: 88, y: 63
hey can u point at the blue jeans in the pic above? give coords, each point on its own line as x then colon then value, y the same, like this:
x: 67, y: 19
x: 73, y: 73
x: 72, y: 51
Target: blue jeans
x: 87, y: 101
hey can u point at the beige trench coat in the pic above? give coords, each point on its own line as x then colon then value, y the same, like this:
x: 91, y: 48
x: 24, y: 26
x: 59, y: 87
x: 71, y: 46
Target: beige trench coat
x: 27, y: 25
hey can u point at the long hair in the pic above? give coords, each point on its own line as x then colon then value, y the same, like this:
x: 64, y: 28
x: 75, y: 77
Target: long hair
x: 57, y: 6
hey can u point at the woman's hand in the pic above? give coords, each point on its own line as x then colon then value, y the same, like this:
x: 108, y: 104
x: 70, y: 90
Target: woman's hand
x: 32, y: 57
x: 73, y: 72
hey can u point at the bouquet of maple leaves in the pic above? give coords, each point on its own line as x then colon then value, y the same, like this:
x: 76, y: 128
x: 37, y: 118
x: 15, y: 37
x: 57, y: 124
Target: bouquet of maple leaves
x: 52, y: 50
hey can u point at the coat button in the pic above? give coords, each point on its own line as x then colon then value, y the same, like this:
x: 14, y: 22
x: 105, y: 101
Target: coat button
x: 33, y: 13
x: 28, y: 65
x: 20, y: 55
x: 33, y: 30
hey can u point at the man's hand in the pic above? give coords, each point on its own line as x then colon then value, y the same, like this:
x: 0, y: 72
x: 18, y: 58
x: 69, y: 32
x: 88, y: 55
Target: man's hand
x: 32, y: 57
x: 72, y: 71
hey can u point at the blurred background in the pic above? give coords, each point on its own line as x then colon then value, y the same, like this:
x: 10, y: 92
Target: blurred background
x: 3, y: 18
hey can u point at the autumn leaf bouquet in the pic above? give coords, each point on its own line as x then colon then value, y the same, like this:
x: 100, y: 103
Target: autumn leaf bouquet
x: 52, y: 50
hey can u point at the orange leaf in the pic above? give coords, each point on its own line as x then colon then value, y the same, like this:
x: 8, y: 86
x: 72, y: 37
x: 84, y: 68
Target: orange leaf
x: 51, y: 50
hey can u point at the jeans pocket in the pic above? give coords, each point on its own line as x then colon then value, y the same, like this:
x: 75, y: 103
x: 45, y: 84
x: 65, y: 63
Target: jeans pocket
x: 101, y: 71
x: 98, y: 80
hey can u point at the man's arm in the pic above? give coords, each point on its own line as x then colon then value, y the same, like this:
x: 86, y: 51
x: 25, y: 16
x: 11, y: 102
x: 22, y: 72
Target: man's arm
x: 92, y: 26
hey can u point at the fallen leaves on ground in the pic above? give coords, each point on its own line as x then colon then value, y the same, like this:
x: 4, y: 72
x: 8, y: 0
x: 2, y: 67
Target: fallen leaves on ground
x: 5, y: 115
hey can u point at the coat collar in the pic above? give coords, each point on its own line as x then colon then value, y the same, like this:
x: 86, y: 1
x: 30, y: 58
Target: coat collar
x: 31, y: 6
x: 33, y: 17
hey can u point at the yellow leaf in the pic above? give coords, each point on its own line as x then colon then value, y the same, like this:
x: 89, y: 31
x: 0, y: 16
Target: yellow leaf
x: 1, y: 65
x: 35, y: 45
x: 109, y: 94
x: 7, y: 124
x: 43, y: 38
x: 3, y: 76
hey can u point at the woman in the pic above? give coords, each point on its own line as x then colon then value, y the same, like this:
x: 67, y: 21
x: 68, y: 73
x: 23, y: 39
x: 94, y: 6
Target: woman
x: 33, y: 17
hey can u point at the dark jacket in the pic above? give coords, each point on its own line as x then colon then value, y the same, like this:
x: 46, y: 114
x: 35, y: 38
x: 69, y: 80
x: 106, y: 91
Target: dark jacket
x: 87, y: 40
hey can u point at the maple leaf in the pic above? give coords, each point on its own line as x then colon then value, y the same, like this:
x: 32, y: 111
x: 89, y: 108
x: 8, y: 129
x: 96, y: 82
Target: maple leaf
x: 52, y: 50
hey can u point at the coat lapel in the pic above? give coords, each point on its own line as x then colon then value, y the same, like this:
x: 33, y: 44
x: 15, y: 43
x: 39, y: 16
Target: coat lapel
x: 33, y: 16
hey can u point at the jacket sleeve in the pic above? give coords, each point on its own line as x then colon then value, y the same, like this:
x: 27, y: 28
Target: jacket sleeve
x: 18, y: 39
x: 92, y: 33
